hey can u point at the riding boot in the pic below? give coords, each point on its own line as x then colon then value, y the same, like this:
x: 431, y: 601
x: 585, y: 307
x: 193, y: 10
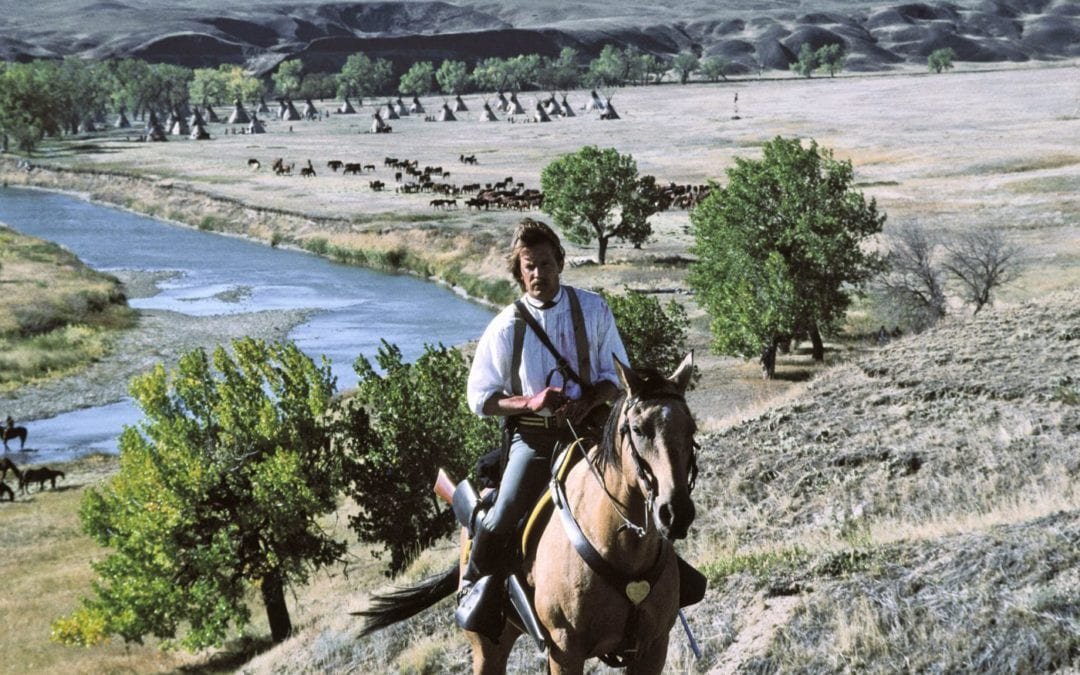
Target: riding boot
x: 480, y: 601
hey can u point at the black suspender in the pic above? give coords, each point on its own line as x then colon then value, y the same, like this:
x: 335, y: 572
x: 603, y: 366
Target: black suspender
x: 522, y: 317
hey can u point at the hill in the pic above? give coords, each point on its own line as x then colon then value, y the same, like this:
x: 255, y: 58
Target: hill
x: 748, y: 35
x: 913, y: 510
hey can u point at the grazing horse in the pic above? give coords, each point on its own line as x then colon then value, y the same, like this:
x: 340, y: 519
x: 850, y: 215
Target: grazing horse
x: 606, y: 580
x: 9, y: 433
x: 40, y: 476
x: 6, y: 464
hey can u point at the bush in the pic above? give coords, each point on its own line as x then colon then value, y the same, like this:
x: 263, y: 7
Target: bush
x: 654, y: 336
x: 407, y: 422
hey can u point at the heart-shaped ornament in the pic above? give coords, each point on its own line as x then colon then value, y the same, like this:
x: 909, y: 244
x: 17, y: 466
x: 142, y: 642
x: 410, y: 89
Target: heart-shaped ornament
x: 637, y: 591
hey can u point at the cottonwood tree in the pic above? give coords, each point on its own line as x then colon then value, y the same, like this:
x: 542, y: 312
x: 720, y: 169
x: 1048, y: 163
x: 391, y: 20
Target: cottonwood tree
x: 941, y: 59
x: 831, y: 58
x: 219, y: 492
x: 806, y: 62
x: 714, y: 68
x: 685, y: 64
x: 911, y: 287
x: 418, y: 80
x: 597, y: 194
x: 452, y: 76
x: 981, y: 260
x: 780, y: 249
x: 362, y: 76
x: 288, y: 77
x: 407, y: 422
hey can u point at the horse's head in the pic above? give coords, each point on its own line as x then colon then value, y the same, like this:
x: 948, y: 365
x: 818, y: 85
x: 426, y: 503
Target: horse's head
x: 651, y: 434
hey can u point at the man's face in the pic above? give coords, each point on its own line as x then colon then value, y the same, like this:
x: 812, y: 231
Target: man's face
x: 540, y: 271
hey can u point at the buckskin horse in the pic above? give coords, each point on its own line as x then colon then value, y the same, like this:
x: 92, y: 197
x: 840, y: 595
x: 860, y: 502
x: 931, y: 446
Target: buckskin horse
x: 617, y: 595
x: 9, y: 433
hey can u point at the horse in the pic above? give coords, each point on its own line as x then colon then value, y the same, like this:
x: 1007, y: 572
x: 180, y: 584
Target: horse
x: 40, y: 476
x: 9, y: 433
x: 6, y: 464
x: 630, y: 498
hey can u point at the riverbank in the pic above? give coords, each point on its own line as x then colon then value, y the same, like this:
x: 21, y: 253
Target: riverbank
x: 158, y: 337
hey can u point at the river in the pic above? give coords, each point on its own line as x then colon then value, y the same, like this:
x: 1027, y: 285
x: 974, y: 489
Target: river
x: 353, y: 308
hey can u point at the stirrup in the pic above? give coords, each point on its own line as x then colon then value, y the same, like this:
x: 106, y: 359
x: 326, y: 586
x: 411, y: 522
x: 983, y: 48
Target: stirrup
x: 480, y: 607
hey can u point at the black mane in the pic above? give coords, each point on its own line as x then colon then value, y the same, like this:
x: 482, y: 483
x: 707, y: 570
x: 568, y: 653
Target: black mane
x: 653, y: 385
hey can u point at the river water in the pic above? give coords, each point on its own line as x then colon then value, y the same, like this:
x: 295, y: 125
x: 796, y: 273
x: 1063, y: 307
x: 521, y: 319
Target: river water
x: 353, y: 308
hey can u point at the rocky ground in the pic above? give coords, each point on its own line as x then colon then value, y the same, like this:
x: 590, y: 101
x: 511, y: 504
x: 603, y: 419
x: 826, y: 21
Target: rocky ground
x: 160, y: 337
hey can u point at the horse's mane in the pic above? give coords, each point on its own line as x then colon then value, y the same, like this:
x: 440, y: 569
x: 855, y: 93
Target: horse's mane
x: 654, y: 384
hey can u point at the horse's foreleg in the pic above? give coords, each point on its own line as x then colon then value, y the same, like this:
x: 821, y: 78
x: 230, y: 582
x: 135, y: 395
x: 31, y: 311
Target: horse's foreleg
x: 489, y: 658
x: 651, y: 659
x: 565, y: 661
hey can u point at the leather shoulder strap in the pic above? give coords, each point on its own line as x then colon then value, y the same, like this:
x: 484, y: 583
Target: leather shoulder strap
x: 581, y: 337
x: 519, y: 344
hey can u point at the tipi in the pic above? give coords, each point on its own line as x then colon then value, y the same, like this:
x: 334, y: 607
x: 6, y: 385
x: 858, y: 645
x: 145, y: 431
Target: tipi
x: 609, y: 111
x: 262, y: 107
x: 540, y: 115
x: 594, y: 103
x: 199, y: 132
x: 153, y: 130
x: 400, y: 109
x: 567, y: 111
x: 391, y: 112
x: 459, y: 105
x: 514, y: 106
x: 447, y: 115
x: 416, y: 108
x: 239, y: 115
x: 288, y: 111
x: 310, y: 111
x: 256, y: 126
x: 503, y: 105
x: 488, y: 115
x: 211, y: 116
x: 122, y: 121
x: 377, y: 124
x: 346, y: 108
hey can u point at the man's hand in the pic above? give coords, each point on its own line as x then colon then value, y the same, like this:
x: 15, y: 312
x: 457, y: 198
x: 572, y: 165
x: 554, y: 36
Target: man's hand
x: 551, y: 398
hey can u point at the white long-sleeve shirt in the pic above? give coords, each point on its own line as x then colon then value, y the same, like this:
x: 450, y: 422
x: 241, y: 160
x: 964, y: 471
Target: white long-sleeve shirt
x: 490, y: 372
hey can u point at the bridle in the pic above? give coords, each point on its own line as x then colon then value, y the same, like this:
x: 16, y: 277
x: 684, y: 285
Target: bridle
x: 645, y: 474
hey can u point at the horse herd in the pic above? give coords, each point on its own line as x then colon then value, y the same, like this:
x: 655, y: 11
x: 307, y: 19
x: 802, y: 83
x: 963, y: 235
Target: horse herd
x: 39, y: 475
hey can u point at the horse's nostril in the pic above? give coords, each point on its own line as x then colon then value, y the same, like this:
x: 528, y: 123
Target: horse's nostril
x: 666, y: 515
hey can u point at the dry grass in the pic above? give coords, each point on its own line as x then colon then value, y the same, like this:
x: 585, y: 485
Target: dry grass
x: 860, y: 517
x: 56, y: 314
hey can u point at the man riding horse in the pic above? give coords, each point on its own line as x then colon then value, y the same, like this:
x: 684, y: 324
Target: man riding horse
x: 533, y: 385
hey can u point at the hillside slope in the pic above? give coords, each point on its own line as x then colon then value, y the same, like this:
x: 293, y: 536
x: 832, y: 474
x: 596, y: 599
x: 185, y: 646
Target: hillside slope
x: 914, y: 510
x: 747, y: 35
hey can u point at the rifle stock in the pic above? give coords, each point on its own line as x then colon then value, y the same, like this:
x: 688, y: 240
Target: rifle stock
x: 444, y: 487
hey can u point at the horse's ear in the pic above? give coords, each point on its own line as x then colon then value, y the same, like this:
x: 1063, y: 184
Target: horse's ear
x: 629, y: 379
x: 684, y: 372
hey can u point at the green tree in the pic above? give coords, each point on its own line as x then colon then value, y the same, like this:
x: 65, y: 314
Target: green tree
x: 28, y: 107
x: 807, y: 61
x: 492, y: 74
x: 941, y: 59
x: 417, y: 419
x: 831, y: 58
x: 220, y: 490
x: 317, y: 86
x: 418, y: 79
x: 655, y: 335
x: 452, y: 76
x: 208, y: 85
x: 685, y: 64
x: 608, y: 69
x: 288, y: 77
x: 655, y: 67
x: 780, y: 249
x: 361, y: 76
x: 714, y: 68
x: 561, y: 73
x: 596, y: 193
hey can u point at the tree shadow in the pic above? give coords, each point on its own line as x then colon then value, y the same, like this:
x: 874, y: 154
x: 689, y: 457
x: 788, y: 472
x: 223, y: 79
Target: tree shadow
x: 234, y: 655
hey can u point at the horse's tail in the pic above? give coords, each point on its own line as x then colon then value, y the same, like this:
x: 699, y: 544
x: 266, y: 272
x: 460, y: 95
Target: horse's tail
x: 402, y: 603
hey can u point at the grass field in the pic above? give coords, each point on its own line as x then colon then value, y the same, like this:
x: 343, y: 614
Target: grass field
x: 993, y: 148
